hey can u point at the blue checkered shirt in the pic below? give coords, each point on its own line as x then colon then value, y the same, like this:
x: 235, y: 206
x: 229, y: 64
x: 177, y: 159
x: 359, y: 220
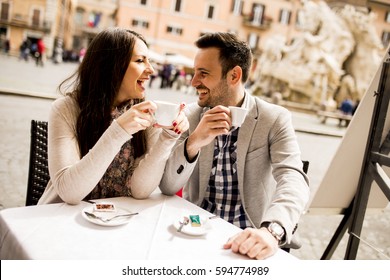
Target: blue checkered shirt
x: 222, y: 195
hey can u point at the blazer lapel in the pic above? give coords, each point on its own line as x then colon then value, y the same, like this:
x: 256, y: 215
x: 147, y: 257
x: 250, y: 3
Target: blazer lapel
x: 205, y: 164
x: 244, y: 137
x: 205, y: 156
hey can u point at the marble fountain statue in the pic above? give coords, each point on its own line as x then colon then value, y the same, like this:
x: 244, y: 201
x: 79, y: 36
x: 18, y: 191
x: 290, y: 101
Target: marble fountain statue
x: 336, y: 55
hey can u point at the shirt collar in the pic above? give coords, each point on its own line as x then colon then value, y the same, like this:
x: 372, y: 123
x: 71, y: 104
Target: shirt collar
x: 245, y: 104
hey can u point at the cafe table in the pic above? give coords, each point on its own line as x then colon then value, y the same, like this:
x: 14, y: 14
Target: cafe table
x: 62, y: 232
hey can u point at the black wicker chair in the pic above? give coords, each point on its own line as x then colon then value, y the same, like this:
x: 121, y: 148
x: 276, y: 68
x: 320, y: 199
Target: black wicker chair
x: 305, y: 166
x: 38, y: 173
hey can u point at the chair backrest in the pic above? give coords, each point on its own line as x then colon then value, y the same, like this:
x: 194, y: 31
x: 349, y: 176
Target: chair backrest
x: 305, y: 169
x: 38, y: 173
x: 305, y: 166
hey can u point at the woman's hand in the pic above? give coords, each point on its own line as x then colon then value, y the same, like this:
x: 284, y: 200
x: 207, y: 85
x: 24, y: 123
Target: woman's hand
x: 138, y: 117
x: 181, y: 124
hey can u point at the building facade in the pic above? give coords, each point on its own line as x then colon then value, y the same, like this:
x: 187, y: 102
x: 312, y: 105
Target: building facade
x: 89, y: 18
x: 170, y: 26
x: 33, y: 20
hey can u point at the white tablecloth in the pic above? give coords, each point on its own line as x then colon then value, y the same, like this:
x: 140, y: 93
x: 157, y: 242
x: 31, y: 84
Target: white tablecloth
x: 60, y: 232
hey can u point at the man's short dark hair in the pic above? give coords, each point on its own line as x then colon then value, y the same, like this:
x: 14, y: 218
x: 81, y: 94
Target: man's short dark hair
x: 233, y: 51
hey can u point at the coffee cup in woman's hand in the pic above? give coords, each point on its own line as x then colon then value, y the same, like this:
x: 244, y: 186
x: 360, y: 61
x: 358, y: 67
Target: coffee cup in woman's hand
x: 166, y: 113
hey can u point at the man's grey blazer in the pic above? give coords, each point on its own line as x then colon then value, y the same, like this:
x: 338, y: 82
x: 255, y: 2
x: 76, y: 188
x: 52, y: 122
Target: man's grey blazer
x: 272, y: 184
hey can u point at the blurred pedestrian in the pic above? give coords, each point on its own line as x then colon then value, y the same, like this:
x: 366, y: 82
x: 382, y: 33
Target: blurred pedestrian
x: 7, y: 46
x: 82, y: 54
x: 347, y: 106
x: 179, y: 78
x: 166, y: 75
x: 40, y: 52
x: 24, y: 50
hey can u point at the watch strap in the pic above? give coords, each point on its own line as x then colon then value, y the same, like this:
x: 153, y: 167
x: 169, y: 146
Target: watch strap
x: 281, y: 240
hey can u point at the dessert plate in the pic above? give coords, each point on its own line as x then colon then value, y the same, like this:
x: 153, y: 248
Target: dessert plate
x: 114, y: 222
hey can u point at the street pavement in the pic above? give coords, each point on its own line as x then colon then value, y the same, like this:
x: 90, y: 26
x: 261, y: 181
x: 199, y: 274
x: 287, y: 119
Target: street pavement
x: 26, y: 92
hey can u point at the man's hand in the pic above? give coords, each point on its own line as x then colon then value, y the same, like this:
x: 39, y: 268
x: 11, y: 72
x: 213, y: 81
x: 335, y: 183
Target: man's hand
x: 214, y: 122
x: 255, y: 243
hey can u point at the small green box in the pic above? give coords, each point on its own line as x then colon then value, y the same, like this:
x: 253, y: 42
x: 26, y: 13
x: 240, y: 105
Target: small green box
x: 195, y: 220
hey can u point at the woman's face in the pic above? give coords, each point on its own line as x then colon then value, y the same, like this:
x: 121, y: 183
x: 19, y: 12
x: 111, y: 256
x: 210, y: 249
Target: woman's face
x: 137, y: 74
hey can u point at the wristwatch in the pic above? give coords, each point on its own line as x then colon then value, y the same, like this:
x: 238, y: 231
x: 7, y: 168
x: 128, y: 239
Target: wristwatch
x: 276, y: 230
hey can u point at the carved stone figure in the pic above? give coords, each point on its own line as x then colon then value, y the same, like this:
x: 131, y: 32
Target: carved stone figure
x: 347, y: 88
x: 332, y: 44
x: 366, y: 57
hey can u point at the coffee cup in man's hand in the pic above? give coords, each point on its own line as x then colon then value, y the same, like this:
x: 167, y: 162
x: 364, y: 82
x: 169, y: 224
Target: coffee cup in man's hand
x: 238, y: 115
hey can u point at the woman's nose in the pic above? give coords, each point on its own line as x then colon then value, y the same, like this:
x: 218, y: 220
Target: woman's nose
x: 150, y: 69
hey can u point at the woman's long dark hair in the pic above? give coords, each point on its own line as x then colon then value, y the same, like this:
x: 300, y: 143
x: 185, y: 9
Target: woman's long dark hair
x: 97, y: 82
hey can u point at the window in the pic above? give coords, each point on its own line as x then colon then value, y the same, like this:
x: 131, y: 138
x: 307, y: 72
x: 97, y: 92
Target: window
x: 35, y: 17
x: 300, y: 14
x: 257, y: 14
x: 78, y: 17
x: 284, y: 16
x: 77, y: 42
x: 140, y: 23
x: 3, y: 31
x: 210, y: 13
x: 178, y: 6
x: 175, y: 30
x: 386, y: 38
x: 253, y: 40
x: 111, y: 20
x: 4, y: 11
x: 387, y: 17
x: 237, y: 7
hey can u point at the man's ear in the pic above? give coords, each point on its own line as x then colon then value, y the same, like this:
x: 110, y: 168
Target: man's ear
x: 235, y: 75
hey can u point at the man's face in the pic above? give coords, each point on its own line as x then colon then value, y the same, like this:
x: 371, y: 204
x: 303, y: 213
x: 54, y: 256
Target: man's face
x: 212, y: 89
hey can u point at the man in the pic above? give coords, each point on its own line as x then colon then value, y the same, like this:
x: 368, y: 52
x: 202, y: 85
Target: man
x: 251, y: 175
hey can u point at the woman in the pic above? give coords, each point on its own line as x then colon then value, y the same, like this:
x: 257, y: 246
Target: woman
x: 102, y: 142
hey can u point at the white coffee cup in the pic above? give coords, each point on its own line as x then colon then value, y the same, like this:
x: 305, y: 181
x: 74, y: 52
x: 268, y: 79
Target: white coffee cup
x: 238, y: 115
x: 166, y: 112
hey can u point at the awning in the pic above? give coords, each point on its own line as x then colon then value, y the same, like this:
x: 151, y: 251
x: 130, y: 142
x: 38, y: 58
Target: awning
x: 178, y: 59
x: 175, y: 59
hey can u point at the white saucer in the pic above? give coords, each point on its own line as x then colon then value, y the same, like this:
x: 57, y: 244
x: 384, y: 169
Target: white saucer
x: 203, y: 229
x: 115, y: 222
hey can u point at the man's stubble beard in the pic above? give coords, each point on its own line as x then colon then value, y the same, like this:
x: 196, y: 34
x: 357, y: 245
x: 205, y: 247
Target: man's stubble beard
x: 218, y: 96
